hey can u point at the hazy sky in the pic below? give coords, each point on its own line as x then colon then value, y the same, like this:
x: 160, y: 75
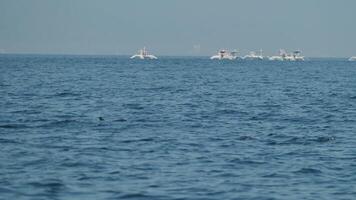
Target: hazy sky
x: 174, y: 27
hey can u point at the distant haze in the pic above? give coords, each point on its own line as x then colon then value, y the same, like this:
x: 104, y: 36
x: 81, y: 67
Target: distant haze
x: 320, y: 28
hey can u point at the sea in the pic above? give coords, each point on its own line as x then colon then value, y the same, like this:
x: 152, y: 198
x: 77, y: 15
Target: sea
x: 180, y: 128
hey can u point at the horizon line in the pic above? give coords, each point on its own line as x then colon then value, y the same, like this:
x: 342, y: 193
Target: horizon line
x: 122, y: 55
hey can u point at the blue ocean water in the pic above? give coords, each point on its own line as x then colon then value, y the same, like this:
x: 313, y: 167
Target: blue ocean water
x: 107, y: 127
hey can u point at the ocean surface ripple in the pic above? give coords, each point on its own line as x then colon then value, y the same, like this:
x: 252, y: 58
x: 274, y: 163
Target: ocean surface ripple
x: 106, y: 127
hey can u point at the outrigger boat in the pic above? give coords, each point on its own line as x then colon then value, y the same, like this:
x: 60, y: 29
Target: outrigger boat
x: 143, y: 54
x: 353, y: 58
x: 284, y: 56
x: 253, y: 56
x: 224, y: 54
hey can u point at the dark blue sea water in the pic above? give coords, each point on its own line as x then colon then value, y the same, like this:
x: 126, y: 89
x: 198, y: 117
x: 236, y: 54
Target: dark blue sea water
x: 107, y: 127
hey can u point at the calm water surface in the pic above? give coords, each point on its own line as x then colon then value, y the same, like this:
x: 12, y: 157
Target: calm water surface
x: 106, y: 127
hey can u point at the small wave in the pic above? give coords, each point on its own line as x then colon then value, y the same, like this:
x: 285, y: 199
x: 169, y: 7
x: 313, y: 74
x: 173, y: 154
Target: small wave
x: 60, y: 123
x: 143, y: 120
x: 6, y: 190
x: 231, y: 112
x: 274, y: 175
x: 333, y: 94
x: 142, y: 196
x: 133, y: 106
x: 245, y: 137
x: 261, y: 116
x: 308, y: 171
x: 300, y: 120
x: 294, y: 140
x: 246, y: 161
x: 159, y: 88
x: 7, y: 141
x: 26, y: 112
x: 85, y: 178
x: 324, y: 139
x: 180, y: 90
x: 189, y: 105
x: 305, y: 140
x: 13, y: 126
x: 66, y: 94
x: 35, y: 162
x: 115, y: 172
x: 50, y: 184
x: 138, y: 140
x: 120, y: 120
x: 73, y: 164
x: 268, y: 106
x: 4, y: 85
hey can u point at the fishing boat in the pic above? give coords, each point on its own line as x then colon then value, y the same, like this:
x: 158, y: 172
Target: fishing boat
x: 224, y: 54
x: 284, y: 56
x: 297, y: 56
x: 280, y: 57
x: 143, y: 54
x: 353, y: 58
x: 253, y: 56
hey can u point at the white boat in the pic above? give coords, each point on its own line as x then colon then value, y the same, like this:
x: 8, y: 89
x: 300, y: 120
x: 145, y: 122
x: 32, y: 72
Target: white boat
x: 143, y: 54
x: 353, y: 58
x: 297, y: 56
x: 284, y: 56
x: 288, y: 57
x: 276, y: 58
x: 224, y: 54
x: 253, y: 56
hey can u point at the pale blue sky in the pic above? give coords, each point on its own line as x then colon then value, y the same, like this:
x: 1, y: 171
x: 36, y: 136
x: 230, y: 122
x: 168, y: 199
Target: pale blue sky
x: 173, y: 27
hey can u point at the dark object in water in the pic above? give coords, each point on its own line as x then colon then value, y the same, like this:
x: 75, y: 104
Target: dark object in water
x: 101, y: 118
